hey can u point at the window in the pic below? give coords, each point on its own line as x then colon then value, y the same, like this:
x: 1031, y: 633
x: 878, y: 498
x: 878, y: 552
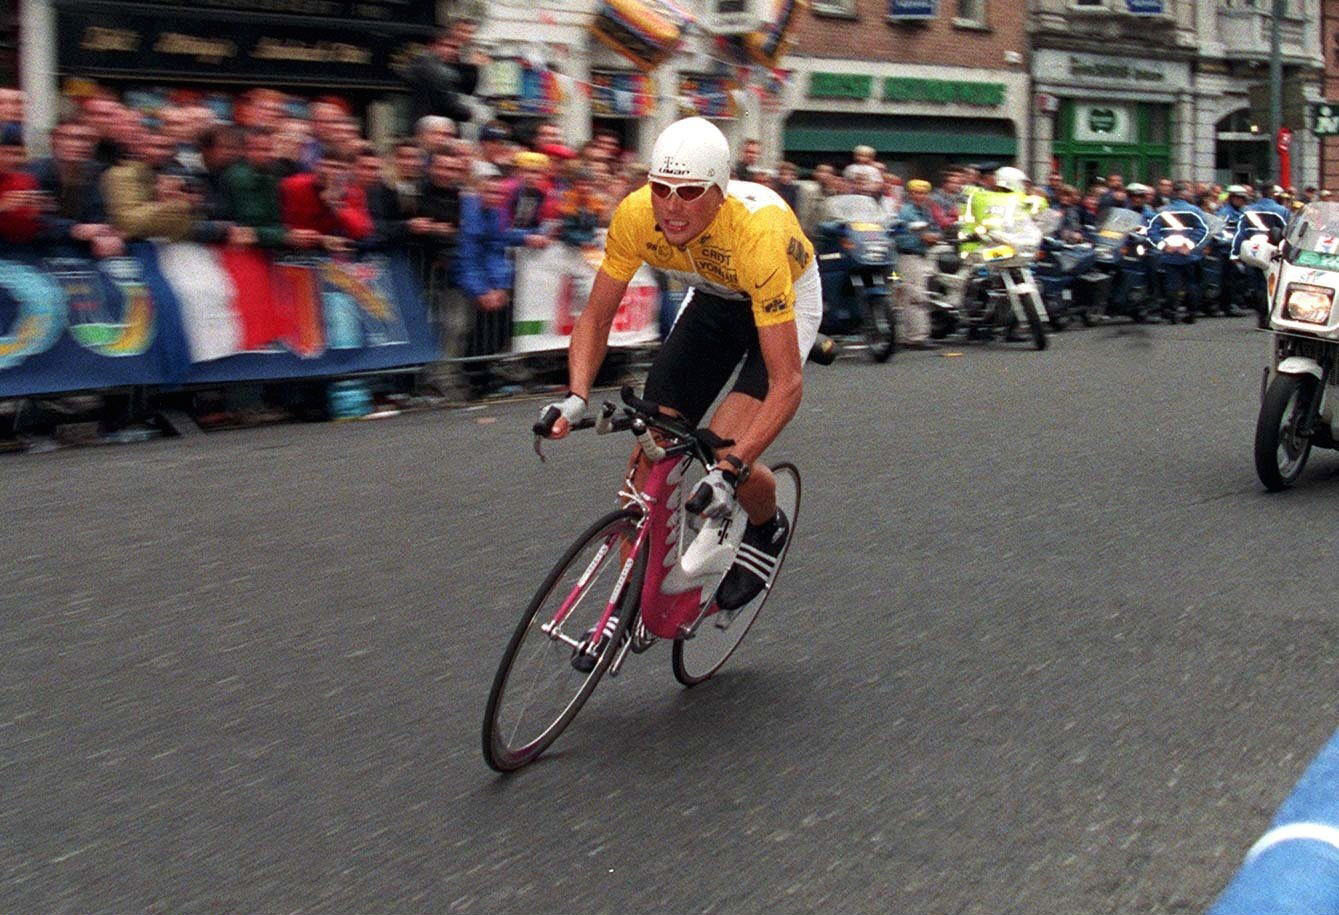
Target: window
x: 971, y: 13
x: 834, y: 7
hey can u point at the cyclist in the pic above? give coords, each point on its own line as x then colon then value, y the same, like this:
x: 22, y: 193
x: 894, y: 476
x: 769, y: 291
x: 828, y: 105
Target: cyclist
x: 754, y: 297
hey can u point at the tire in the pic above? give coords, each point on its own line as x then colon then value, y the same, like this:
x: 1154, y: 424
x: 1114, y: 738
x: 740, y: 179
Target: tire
x: 533, y: 656
x: 697, y: 658
x: 1034, y: 323
x: 880, y: 327
x: 1280, y: 454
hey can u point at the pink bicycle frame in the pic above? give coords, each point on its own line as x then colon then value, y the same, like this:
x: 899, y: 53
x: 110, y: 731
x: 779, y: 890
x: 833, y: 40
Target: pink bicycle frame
x: 665, y: 616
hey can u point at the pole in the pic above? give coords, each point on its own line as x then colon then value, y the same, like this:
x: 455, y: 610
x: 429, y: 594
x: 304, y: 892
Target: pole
x: 1275, y: 89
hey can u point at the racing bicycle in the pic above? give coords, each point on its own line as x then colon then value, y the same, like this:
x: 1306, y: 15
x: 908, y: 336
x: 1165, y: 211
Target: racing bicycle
x: 646, y: 572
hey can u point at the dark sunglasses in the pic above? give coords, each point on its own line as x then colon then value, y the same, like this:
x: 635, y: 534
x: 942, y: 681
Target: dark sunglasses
x: 685, y: 192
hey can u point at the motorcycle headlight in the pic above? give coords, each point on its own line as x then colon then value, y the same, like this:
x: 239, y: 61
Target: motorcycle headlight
x: 1308, y: 303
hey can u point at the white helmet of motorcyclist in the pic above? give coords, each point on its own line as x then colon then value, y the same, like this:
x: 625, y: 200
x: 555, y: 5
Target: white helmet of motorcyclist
x: 1011, y: 179
x: 693, y: 149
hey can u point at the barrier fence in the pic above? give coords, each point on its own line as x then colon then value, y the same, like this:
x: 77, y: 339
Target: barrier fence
x: 176, y: 314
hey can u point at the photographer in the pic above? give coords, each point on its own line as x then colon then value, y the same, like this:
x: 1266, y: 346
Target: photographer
x: 441, y: 77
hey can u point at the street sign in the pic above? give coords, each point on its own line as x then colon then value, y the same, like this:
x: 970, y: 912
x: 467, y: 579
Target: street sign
x: 913, y: 9
x: 1144, y: 7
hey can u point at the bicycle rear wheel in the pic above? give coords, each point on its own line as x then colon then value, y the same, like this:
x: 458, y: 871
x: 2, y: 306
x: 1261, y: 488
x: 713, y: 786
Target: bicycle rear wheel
x: 695, y: 659
x: 539, y: 686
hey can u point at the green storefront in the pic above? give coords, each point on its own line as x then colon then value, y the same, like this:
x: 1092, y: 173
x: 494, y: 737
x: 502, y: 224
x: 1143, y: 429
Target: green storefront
x: 894, y: 123
x: 1096, y: 138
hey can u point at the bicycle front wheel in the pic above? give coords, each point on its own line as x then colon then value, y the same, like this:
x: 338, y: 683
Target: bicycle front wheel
x: 696, y: 658
x: 556, y: 656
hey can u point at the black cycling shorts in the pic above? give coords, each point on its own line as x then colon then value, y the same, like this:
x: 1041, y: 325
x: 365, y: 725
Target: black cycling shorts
x: 708, y: 341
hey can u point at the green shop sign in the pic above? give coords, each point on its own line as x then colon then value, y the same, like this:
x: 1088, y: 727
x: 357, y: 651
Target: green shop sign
x: 840, y: 85
x: 943, y: 92
x: 907, y: 89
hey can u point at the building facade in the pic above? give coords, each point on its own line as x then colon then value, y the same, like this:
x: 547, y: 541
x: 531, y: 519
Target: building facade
x: 1233, y: 135
x: 1169, y: 88
x: 150, y: 49
x: 925, y: 83
x: 1329, y: 37
x: 1113, y: 82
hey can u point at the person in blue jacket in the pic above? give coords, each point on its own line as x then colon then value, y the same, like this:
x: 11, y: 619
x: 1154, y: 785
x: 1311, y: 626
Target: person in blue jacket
x: 484, y: 272
x: 1178, y: 230
x: 1269, y: 203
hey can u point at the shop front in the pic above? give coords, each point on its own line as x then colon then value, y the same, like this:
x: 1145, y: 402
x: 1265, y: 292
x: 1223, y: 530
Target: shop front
x: 918, y: 119
x: 357, y: 49
x: 1100, y: 115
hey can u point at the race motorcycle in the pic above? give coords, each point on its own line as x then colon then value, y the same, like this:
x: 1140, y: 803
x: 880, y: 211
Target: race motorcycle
x: 1122, y: 256
x: 1248, y: 281
x: 992, y: 287
x: 1298, y: 410
x: 856, y: 257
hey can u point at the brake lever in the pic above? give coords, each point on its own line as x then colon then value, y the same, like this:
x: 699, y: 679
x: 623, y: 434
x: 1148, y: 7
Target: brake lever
x: 539, y: 450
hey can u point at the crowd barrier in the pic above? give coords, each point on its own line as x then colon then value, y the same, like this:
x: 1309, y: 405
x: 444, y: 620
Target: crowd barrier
x: 181, y: 314
x: 1294, y: 867
x: 175, y: 314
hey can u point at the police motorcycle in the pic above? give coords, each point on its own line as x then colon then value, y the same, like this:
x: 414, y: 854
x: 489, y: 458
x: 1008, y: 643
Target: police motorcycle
x: 1122, y: 250
x: 1175, y: 237
x: 1248, y: 280
x: 1070, y: 282
x: 856, y: 257
x: 1299, y: 408
x: 993, y: 286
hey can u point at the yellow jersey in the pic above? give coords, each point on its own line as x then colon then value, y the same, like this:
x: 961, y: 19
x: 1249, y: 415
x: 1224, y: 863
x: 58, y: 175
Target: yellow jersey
x: 753, y: 250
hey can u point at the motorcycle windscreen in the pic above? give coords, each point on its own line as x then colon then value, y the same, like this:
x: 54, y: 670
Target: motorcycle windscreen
x: 1118, y: 225
x: 1314, y: 230
x: 852, y: 208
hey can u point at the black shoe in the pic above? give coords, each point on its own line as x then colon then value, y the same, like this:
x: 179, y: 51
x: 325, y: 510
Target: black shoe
x: 754, y: 563
x: 1189, y: 318
x: 583, y: 658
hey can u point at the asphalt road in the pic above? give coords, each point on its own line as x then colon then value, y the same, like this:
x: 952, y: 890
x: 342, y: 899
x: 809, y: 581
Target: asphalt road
x: 1043, y: 645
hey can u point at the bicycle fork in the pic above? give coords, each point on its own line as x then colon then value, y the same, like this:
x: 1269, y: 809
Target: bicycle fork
x: 607, y: 623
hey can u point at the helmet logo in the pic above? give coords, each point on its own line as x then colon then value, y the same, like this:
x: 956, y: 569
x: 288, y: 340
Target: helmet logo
x: 672, y: 167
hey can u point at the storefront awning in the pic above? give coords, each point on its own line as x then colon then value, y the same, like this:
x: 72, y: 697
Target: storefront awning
x: 811, y: 132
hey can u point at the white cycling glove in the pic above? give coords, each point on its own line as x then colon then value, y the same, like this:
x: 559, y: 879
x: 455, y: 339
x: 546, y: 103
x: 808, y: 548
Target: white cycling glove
x: 722, y: 490
x: 573, y: 409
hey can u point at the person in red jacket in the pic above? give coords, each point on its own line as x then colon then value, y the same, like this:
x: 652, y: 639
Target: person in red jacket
x: 325, y: 208
x: 21, y: 200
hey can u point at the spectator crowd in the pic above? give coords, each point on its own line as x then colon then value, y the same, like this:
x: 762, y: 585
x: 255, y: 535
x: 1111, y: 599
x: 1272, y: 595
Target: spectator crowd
x: 287, y: 174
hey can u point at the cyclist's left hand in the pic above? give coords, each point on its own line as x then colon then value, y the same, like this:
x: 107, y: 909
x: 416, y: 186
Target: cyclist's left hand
x: 715, y: 495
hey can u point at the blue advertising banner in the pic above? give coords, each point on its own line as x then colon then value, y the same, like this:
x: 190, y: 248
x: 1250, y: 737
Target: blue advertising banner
x: 1145, y: 7
x: 913, y: 9
x: 183, y: 313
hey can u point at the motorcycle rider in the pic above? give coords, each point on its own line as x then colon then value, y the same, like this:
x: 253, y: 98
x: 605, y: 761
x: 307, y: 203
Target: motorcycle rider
x: 987, y: 209
x: 1139, y: 195
x: 1269, y: 202
x: 912, y: 243
x: 1232, y: 210
x: 1177, y: 230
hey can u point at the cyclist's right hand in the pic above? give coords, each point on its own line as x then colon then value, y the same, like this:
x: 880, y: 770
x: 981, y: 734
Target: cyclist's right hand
x: 557, y: 419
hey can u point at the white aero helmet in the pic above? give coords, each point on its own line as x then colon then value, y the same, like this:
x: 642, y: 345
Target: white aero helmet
x: 695, y: 149
x: 1011, y: 179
